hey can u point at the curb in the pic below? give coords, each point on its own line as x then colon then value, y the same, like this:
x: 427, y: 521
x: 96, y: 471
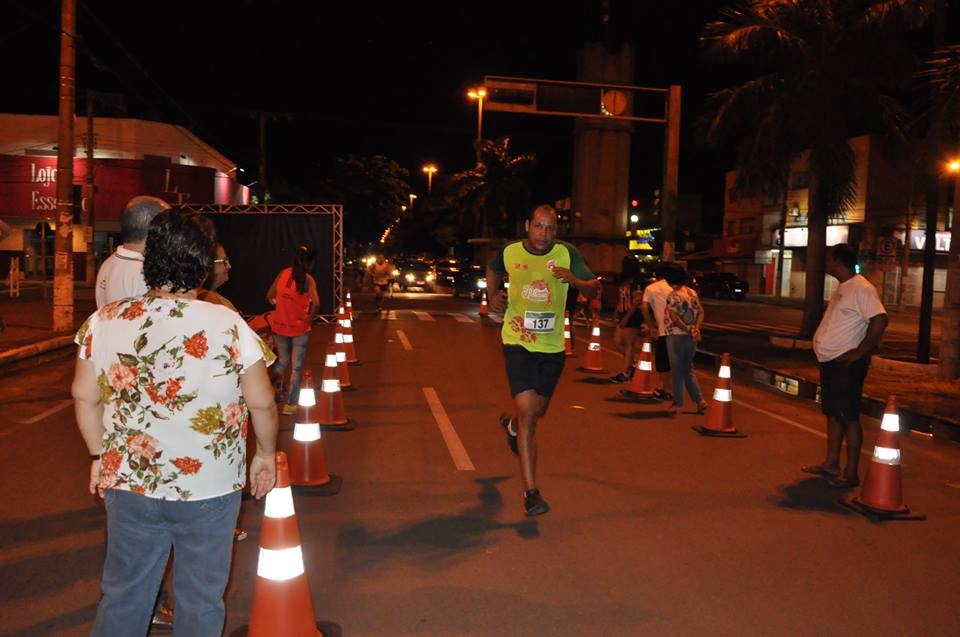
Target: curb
x: 35, y: 349
x: 937, y: 427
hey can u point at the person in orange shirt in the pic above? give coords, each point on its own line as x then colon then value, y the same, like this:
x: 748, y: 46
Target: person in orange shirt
x: 294, y: 293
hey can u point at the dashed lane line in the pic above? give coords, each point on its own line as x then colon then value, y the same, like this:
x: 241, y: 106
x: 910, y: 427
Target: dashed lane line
x: 424, y: 316
x: 404, y: 340
x: 457, y: 451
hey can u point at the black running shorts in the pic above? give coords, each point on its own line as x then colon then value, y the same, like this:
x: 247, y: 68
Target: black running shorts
x: 841, y: 387
x: 532, y: 370
x: 661, y: 358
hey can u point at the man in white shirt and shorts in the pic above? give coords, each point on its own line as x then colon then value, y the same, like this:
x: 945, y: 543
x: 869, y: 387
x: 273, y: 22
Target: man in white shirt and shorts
x: 653, y: 306
x: 850, y: 330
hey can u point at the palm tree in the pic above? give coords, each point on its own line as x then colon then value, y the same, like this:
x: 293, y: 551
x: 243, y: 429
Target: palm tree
x: 942, y: 74
x: 823, y: 71
x: 493, y: 193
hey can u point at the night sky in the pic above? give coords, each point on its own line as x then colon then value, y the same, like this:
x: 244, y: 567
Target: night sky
x: 361, y: 78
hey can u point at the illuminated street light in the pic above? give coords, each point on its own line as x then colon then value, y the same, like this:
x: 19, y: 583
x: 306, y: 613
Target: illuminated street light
x: 412, y: 197
x: 953, y: 165
x: 478, y: 94
x: 430, y: 169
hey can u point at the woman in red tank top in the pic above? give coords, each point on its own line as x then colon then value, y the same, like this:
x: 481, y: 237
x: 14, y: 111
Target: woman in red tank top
x: 294, y: 293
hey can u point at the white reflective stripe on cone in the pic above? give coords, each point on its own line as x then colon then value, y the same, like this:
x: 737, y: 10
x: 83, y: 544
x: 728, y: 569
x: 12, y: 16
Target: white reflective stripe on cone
x: 724, y: 372
x: 886, y: 455
x: 330, y: 386
x: 279, y: 503
x: 646, y: 347
x: 566, y: 334
x: 341, y: 356
x: 346, y: 323
x: 890, y: 422
x: 307, y: 397
x: 338, y: 337
x: 306, y: 431
x: 280, y: 565
x: 723, y: 395
x: 595, y: 332
x: 330, y: 360
x: 594, y: 347
x: 645, y: 366
x: 348, y: 338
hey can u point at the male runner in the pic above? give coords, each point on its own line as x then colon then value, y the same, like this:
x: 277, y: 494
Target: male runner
x: 381, y: 271
x: 541, y: 269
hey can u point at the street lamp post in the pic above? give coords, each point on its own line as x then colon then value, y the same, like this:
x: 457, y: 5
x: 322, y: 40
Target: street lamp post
x: 412, y: 197
x: 430, y: 169
x: 478, y: 94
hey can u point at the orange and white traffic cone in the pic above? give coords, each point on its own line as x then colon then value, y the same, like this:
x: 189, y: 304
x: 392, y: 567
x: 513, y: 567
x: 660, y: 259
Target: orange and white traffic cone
x: 720, y: 412
x: 641, y: 386
x: 484, y: 310
x: 349, y: 304
x: 567, y: 335
x: 308, y: 456
x: 331, y: 415
x: 282, y: 604
x: 345, y: 326
x: 343, y: 369
x: 593, y: 362
x: 882, y: 492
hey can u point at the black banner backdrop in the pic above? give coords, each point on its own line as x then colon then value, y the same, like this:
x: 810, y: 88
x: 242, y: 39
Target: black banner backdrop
x: 260, y: 245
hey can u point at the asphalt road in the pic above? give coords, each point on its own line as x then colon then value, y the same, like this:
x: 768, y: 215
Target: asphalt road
x: 655, y: 530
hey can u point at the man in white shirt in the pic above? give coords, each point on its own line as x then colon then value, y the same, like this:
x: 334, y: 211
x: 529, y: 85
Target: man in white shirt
x: 121, y: 275
x: 850, y: 330
x: 653, y: 306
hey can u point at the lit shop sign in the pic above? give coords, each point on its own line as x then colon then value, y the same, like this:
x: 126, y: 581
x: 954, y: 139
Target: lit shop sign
x: 797, y: 237
x: 643, y: 240
x: 918, y: 240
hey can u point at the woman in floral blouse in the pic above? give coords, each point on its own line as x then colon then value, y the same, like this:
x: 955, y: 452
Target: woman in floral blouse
x: 163, y: 387
x: 682, y: 320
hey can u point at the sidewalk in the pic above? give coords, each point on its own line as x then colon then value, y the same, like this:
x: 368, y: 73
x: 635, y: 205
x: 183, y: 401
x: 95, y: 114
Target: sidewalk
x: 928, y: 405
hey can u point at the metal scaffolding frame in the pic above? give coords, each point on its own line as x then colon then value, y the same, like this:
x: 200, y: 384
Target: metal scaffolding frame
x: 334, y: 210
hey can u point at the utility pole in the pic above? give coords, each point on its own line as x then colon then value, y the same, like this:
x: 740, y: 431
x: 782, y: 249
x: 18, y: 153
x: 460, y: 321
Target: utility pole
x: 86, y: 203
x: 263, y: 155
x: 63, y: 244
x: 671, y: 174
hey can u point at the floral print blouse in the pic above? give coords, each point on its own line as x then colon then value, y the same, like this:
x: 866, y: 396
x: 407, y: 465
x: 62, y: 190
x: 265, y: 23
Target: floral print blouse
x: 686, y: 304
x: 169, y: 377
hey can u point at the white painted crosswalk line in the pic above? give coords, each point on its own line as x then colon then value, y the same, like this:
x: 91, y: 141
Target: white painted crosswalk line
x: 462, y: 318
x: 389, y: 315
x: 423, y: 316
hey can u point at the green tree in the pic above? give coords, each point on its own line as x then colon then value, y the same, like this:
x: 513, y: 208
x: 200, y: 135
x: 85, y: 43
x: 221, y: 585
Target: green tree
x: 821, y: 72
x: 372, y: 191
x: 491, y: 196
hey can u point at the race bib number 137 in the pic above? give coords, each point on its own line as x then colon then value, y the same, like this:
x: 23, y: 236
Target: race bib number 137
x: 539, y: 322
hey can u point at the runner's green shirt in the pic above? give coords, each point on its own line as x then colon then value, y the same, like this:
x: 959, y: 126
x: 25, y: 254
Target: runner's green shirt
x: 536, y: 299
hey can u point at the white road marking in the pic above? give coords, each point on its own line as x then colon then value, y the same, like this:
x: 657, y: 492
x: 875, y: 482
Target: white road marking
x: 459, y: 454
x: 389, y: 315
x: 403, y: 339
x: 63, y: 404
x: 462, y: 318
x: 423, y: 316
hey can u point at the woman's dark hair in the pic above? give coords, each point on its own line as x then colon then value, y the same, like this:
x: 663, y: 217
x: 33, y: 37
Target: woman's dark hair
x: 179, y: 252
x: 302, y: 264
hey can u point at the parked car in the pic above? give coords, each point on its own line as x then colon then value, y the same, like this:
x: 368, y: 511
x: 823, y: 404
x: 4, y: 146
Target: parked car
x: 723, y: 285
x: 417, y: 274
x: 470, y: 282
x: 447, y: 270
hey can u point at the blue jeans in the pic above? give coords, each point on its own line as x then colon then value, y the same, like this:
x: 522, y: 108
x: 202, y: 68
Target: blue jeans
x: 140, y: 532
x: 299, y: 346
x: 681, y: 349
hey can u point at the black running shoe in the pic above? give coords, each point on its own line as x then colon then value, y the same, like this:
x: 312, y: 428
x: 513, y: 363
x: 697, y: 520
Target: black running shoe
x: 619, y: 378
x: 511, y: 436
x: 662, y: 394
x: 533, y: 504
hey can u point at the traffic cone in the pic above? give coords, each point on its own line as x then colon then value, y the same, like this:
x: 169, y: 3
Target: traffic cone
x: 282, y: 603
x: 641, y: 386
x: 593, y: 362
x: 484, y: 310
x: 567, y: 338
x: 308, y: 456
x: 345, y: 327
x: 349, y: 306
x: 720, y: 412
x: 343, y: 369
x: 330, y: 413
x: 882, y: 492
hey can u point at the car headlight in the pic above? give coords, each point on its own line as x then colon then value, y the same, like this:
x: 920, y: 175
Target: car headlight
x: 429, y: 277
x: 482, y: 284
x: 409, y: 277
x: 396, y: 273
